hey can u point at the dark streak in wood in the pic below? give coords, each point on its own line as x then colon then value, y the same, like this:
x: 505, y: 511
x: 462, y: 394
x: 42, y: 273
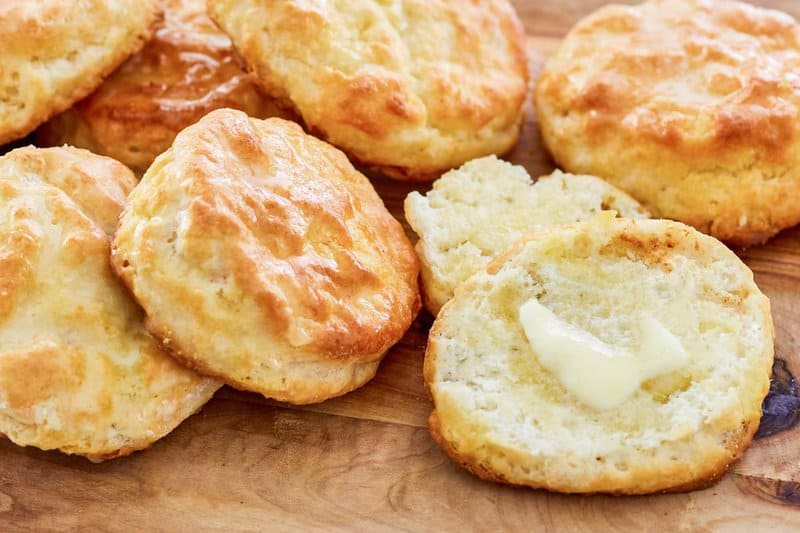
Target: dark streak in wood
x: 781, y: 408
x: 772, y: 490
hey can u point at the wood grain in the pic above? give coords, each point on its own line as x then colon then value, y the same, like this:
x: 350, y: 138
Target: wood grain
x: 366, y: 461
x: 241, y: 465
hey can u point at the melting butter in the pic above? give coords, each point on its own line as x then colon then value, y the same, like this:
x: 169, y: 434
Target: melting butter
x: 600, y: 375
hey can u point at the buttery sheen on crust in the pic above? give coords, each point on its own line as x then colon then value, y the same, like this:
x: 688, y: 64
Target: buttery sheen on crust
x: 186, y: 70
x: 691, y: 106
x: 78, y: 370
x: 263, y: 257
x: 413, y: 87
x: 55, y: 52
x: 476, y: 211
x: 501, y: 414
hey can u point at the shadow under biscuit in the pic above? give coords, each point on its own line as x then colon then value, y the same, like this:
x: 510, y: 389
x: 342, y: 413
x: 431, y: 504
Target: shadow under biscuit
x: 19, y: 143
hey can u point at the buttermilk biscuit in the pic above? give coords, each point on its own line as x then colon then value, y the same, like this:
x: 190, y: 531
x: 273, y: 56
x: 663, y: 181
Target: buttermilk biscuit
x: 412, y: 88
x: 691, y: 106
x: 263, y: 257
x: 78, y: 371
x: 510, y: 413
x: 187, y: 69
x: 475, y: 212
x: 56, y: 52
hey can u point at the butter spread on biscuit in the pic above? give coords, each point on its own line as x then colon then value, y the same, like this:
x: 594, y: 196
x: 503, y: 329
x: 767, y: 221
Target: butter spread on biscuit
x: 600, y: 375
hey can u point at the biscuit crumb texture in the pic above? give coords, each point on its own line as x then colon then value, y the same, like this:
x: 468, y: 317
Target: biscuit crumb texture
x: 78, y: 370
x: 413, y: 87
x: 502, y: 415
x: 57, y: 52
x: 263, y: 257
x: 478, y: 210
x: 691, y: 106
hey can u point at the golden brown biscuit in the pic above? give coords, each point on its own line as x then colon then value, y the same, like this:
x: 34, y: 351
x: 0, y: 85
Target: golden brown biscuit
x: 691, y: 106
x: 478, y: 210
x: 57, y: 52
x: 643, y: 369
x: 263, y: 257
x: 186, y: 70
x: 413, y: 88
x: 78, y: 370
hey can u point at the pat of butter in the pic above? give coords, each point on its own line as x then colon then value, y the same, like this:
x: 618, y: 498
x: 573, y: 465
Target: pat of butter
x: 600, y: 375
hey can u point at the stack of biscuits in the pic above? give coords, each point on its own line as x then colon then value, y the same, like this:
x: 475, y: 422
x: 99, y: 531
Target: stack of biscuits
x: 194, y: 215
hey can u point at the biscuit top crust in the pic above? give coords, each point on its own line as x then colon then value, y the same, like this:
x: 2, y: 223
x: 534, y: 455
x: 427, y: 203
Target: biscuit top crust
x: 421, y: 84
x: 98, y: 185
x: 42, y: 30
x: 697, y: 76
x: 78, y: 371
x: 269, y: 238
x: 56, y: 52
x: 186, y: 69
x: 189, y: 66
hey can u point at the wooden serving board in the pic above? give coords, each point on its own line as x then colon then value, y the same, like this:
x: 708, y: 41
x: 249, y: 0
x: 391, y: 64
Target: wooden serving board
x: 366, y: 461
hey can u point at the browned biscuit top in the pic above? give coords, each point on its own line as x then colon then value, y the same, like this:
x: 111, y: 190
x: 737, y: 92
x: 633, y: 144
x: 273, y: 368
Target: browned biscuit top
x: 690, y: 105
x: 78, y: 371
x: 413, y: 87
x: 734, y: 65
x: 187, y: 69
x: 56, y: 52
x: 270, y: 240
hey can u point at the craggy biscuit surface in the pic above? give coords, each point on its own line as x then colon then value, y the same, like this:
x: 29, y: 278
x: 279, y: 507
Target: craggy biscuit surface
x: 186, y: 70
x: 55, y: 52
x: 78, y: 370
x: 263, y: 257
x: 499, y: 412
x: 475, y: 212
x: 691, y: 106
x: 413, y: 87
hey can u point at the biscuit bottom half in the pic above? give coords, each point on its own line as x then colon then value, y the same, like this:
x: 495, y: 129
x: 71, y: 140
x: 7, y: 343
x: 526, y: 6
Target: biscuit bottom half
x: 501, y: 412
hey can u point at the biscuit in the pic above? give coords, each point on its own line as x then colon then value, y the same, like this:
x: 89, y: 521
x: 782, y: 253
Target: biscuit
x: 688, y: 106
x: 412, y: 88
x: 78, y: 370
x: 476, y: 211
x: 261, y: 256
x: 504, y: 415
x: 186, y: 70
x: 56, y: 52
